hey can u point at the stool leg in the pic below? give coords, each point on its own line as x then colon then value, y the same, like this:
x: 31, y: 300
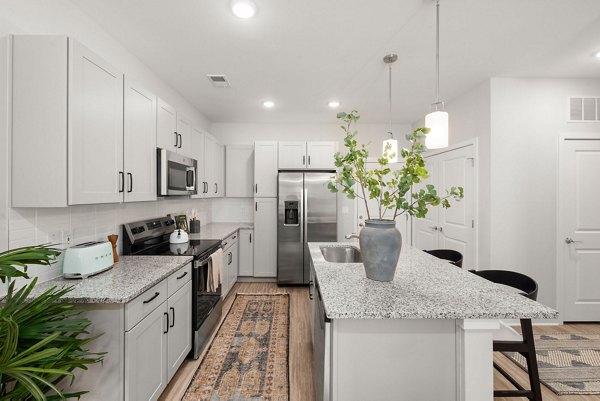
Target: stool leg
x: 532, y: 367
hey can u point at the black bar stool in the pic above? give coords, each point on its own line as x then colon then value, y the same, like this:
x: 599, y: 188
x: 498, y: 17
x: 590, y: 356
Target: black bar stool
x: 529, y: 289
x: 455, y: 257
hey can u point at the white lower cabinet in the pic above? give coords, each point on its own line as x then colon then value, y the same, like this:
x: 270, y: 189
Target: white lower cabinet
x: 230, y: 263
x: 265, y: 233
x: 179, y: 342
x: 146, y: 357
x: 246, y: 256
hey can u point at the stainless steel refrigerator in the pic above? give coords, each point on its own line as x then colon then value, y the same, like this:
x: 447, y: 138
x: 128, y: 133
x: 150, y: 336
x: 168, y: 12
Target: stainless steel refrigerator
x: 307, y: 213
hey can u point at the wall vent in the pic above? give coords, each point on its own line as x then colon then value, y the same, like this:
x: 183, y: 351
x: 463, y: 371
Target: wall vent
x: 219, y: 81
x: 584, y: 109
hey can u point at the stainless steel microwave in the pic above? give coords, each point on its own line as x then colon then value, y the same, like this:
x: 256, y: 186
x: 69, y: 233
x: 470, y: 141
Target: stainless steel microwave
x: 176, y: 173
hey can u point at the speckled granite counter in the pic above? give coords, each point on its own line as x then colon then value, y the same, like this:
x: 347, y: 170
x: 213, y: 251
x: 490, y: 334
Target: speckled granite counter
x: 219, y: 230
x: 424, y: 287
x: 129, y: 278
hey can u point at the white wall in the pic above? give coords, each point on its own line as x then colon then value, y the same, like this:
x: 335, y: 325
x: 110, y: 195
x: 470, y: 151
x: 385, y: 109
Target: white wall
x: 247, y: 133
x: 20, y: 227
x: 528, y: 115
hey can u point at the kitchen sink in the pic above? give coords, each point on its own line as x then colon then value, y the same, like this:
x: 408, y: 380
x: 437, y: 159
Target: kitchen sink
x: 341, y: 254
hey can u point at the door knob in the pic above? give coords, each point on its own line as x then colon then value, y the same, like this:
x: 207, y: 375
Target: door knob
x: 570, y: 240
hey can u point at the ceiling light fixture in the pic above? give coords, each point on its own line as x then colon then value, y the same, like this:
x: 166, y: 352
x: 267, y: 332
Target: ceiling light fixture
x: 268, y: 104
x: 334, y: 104
x: 243, y: 8
x: 437, y: 121
x: 597, y: 55
x: 390, y: 145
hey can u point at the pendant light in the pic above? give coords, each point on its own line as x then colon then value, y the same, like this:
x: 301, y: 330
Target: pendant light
x: 437, y: 120
x: 391, y: 142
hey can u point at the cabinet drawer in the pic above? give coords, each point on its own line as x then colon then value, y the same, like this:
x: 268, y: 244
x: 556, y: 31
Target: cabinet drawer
x: 179, y: 278
x: 141, y: 306
x: 231, y: 240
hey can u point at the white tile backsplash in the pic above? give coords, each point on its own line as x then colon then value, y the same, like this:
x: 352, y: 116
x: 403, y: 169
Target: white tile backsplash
x: 77, y: 224
x: 233, y: 210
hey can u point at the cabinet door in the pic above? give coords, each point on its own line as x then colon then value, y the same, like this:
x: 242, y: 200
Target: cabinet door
x: 265, y: 233
x: 220, y: 171
x: 234, y: 263
x: 146, y: 357
x: 180, y: 328
x: 320, y: 155
x: 239, y: 171
x: 211, y: 160
x: 225, y: 275
x: 265, y: 169
x: 95, y: 140
x: 139, y: 143
x: 246, y: 259
x: 166, y: 127
x: 184, y: 129
x: 292, y: 155
x: 197, y: 153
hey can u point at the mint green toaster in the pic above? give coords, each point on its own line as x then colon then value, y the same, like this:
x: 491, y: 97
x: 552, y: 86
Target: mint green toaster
x: 87, y: 259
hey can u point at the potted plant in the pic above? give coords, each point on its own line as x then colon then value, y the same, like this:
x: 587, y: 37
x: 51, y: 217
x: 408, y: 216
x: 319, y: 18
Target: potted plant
x: 392, y: 190
x: 42, y: 341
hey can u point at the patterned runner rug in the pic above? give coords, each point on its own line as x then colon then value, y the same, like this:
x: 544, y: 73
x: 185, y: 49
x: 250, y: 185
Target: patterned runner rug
x: 568, y: 363
x: 248, y: 358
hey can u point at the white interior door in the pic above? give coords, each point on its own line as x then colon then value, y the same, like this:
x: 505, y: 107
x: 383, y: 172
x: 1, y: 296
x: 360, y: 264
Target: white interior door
x: 452, y: 228
x: 579, y: 228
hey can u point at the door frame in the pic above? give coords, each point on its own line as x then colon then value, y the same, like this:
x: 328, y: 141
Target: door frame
x: 561, y: 253
x: 463, y: 144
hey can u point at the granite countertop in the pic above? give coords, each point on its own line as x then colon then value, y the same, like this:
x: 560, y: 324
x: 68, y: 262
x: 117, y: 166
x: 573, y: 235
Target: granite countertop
x: 219, y: 230
x: 424, y: 287
x: 126, y: 280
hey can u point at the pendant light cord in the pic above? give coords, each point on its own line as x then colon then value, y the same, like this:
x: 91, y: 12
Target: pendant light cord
x: 437, y: 51
x: 390, y: 99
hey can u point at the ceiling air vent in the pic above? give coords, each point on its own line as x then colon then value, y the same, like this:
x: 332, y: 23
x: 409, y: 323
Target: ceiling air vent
x: 219, y: 81
x: 584, y: 109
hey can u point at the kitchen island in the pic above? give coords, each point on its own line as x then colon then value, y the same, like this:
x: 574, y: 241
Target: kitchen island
x: 427, y: 335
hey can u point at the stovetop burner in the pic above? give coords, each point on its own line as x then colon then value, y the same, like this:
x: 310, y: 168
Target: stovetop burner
x: 195, y: 248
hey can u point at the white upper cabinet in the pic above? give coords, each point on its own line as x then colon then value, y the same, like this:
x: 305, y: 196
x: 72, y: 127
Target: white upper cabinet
x: 197, y: 152
x: 166, y: 127
x: 95, y: 125
x: 184, y: 131
x: 320, y: 154
x: 265, y: 169
x: 214, y: 167
x: 315, y: 155
x: 239, y: 170
x: 139, y: 143
x: 68, y: 119
x: 292, y: 155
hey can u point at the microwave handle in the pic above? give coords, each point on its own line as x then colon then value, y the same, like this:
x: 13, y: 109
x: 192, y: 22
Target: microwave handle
x: 193, y: 170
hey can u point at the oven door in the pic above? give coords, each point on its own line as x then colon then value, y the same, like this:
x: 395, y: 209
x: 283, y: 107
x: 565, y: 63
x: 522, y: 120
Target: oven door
x: 176, y: 174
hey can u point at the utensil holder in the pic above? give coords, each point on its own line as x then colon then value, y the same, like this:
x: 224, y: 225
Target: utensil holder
x: 194, y: 226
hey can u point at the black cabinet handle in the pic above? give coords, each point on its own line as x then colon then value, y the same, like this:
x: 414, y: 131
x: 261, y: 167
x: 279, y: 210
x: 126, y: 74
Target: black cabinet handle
x: 152, y: 298
x: 216, y: 187
x: 256, y: 188
x: 205, y: 187
x: 130, y: 182
x: 234, y: 237
x: 182, y: 276
x: 310, y: 295
x: 173, y: 322
x: 224, y: 243
x: 303, y: 160
x: 167, y: 315
x: 250, y: 237
x: 308, y: 159
x: 256, y: 206
x: 180, y: 140
x: 176, y: 138
x: 122, y: 181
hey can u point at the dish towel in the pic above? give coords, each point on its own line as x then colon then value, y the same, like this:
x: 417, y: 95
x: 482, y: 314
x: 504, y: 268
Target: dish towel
x: 215, y: 264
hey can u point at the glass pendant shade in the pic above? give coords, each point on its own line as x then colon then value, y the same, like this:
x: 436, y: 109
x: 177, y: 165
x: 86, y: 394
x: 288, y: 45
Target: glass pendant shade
x: 437, y: 122
x: 393, y: 149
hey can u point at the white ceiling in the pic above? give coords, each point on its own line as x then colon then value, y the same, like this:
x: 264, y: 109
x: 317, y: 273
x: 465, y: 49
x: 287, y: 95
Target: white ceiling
x: 301, y: 54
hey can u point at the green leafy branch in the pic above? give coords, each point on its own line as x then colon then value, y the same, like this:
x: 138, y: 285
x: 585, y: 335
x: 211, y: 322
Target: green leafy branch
x: 391, y: 189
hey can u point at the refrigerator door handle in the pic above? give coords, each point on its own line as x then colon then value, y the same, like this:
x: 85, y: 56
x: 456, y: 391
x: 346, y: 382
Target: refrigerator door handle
x: 305, y: 215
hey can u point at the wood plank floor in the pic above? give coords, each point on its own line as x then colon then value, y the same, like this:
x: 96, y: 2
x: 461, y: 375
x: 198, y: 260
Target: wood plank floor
x: 301, y: 384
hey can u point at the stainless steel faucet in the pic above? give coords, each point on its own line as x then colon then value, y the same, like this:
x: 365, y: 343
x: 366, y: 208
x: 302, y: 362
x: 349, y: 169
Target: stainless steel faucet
x: 350, y: 236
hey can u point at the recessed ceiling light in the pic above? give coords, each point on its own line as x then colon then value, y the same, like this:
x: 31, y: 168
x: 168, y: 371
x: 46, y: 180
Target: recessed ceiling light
x: 597, y: 55
x: 268, y: 104
x: 243, y: 8
x: 334, y: 104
